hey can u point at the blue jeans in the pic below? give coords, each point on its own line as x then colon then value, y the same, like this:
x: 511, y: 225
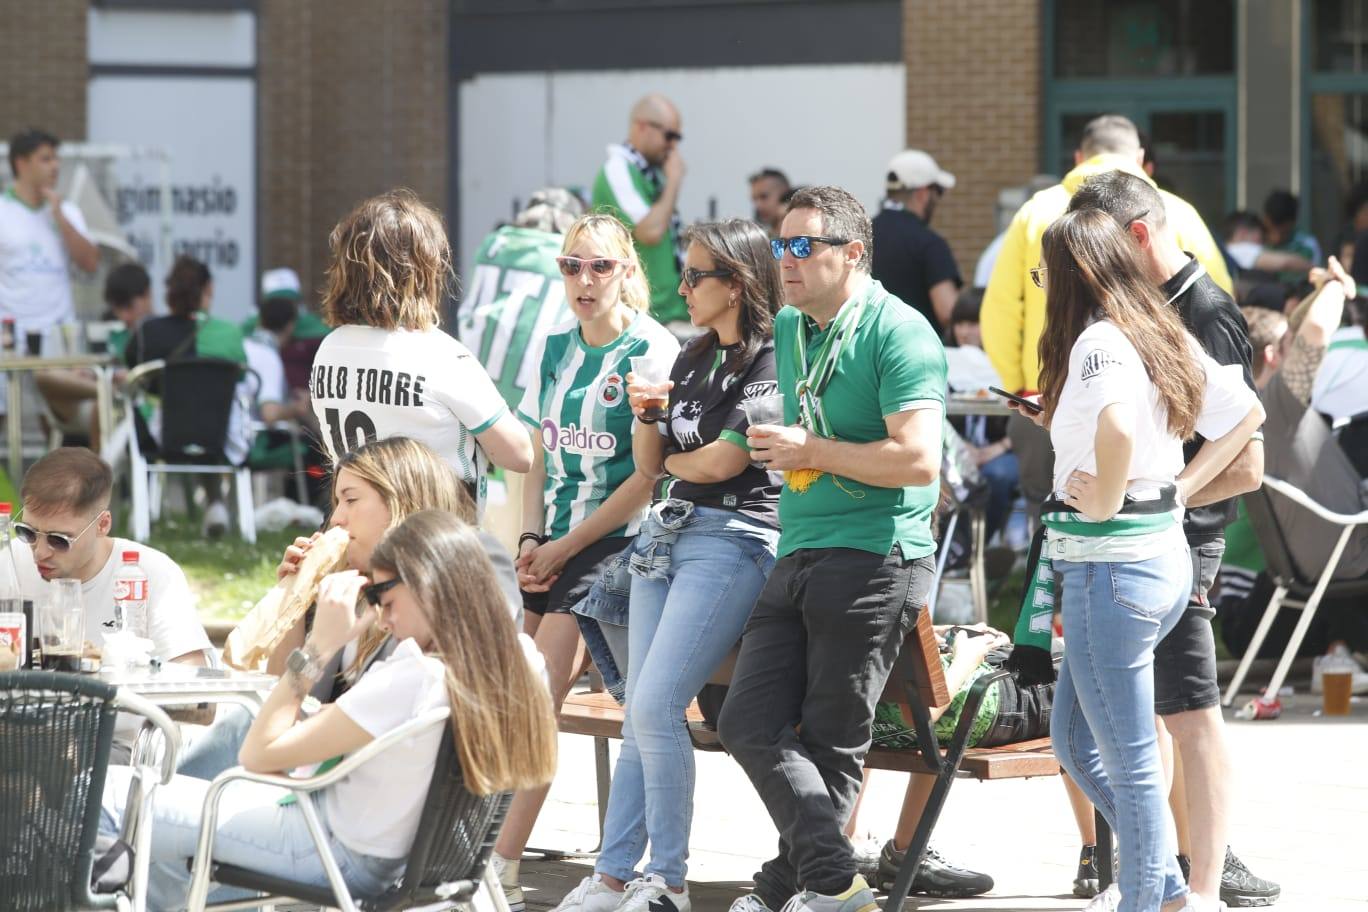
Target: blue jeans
x: 215, y: 749
x: 1102, y: 728
x: 253, y: 832
x: 695, y: 578
x: 1002, y: 474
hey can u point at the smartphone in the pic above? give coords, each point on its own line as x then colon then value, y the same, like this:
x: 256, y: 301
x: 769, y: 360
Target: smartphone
x: 1033, y: 407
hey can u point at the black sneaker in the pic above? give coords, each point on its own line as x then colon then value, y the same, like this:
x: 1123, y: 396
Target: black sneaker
x: 935, y: 876
x: 1241, y: 889
x: 1088, y: 881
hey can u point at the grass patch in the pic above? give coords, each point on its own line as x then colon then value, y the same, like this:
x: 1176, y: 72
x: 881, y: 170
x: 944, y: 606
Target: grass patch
x: 228, y: 576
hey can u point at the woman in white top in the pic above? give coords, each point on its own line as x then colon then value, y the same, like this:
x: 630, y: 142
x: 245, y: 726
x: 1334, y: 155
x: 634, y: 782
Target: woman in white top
x: 1122, y: 386
x: 388, y: 368
x: 434, y: 591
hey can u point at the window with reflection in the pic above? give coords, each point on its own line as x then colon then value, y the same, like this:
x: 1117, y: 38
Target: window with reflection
x: 1138, y: 38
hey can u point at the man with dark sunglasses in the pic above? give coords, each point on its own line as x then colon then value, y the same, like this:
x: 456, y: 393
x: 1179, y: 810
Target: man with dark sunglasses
x: 640, y: 183
x: 63, y: 532
x: 910, y: 260
x: 863, y: 377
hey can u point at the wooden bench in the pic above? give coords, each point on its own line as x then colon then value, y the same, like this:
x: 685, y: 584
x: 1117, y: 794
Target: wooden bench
x: 917, y: 683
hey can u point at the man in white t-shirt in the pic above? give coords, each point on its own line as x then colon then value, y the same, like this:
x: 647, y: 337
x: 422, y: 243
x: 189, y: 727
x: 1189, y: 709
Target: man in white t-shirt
x: 66, y: 522
x: 40, y: 238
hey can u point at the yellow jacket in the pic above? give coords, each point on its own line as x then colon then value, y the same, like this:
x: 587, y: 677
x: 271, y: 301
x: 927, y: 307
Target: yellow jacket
x: 1013, y: 314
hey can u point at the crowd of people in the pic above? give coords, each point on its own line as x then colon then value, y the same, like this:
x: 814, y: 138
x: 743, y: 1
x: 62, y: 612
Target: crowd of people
x: 660, y: 525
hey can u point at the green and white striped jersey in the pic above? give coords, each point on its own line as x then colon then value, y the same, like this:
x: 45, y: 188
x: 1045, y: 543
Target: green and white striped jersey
x: 576, y: 401
x: 515, y: 296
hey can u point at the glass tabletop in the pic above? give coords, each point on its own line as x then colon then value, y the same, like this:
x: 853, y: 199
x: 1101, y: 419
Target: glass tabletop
x: 172, y: 677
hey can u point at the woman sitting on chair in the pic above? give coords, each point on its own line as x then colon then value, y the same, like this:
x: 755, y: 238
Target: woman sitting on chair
x: 434, y: 592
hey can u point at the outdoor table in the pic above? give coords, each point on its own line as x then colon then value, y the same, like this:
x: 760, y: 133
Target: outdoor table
x: 16, y: 364
x: 974, y: 404
x: 173, y: 684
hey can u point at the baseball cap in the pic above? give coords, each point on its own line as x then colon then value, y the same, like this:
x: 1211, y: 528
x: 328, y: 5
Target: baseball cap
x: 280, y: 283
x: 913, y: 168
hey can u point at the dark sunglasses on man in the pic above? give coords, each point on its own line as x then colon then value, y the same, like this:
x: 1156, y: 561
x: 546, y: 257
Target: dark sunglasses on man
x: 60, y: 542
x: 801, y: 245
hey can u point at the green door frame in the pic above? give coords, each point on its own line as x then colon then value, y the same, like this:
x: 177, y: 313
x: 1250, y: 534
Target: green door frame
x: 1137, y: 99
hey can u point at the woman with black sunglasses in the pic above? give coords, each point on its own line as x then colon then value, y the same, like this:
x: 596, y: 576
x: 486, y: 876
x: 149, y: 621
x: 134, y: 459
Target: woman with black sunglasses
x: 697, y: 565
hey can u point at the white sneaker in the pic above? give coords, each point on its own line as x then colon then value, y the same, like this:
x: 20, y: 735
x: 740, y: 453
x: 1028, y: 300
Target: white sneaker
x: 592, y: 895
x: 1340, y: 654
x: 1109, y: 900
x: 652, y: 894
x: 215, y: 520
x: 749, y: 903
x: 867, y: 853
x: 507, y: 872
x: 1198, y: 903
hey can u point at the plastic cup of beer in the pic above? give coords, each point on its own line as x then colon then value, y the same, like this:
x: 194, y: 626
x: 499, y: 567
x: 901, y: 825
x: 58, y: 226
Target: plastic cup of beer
x: 1337, y: 685
x: 764, y: 410
x: 654, y: 372
x: 64, y: 627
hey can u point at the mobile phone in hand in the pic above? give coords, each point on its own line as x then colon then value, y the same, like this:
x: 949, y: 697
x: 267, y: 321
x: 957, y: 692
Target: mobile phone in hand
x: 1032, y: 407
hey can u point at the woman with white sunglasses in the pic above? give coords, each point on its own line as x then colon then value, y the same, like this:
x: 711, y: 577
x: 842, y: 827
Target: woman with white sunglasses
x: 583, y: 500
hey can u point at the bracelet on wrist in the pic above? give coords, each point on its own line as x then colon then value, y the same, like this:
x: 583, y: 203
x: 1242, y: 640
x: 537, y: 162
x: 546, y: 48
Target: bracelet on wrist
x: 533, y: 537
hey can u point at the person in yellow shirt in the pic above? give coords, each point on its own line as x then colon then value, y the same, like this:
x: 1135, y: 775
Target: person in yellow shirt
x: 1013, y: 313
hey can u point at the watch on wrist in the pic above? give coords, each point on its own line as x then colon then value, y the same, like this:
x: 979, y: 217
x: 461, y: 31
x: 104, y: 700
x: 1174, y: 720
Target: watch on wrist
x: 303, y: 664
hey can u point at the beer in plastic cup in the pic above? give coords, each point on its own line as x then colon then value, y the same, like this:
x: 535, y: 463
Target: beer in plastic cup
x: 764, y: 410
x: 653, y: 371
x: 1337, y: 686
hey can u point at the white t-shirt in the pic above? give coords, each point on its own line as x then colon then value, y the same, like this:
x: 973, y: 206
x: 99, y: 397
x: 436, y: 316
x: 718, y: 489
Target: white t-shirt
x: 1105, y: 369
x: 35, y: 279
x: 1341, y: 386
x: 371, y: 383
x: 173, y: 624
x: 375, y: 810
x: 265, y: 361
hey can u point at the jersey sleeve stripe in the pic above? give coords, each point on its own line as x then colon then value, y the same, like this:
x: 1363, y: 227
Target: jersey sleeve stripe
x: 629, y: 199
x: 733, y: 437
x: 480, y: 429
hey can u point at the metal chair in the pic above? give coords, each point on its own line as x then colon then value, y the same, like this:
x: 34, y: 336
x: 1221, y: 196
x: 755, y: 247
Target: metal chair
x: 56, y: 733
x: 448, y: 862
x: 197, y: 399
x: 1296, y: 587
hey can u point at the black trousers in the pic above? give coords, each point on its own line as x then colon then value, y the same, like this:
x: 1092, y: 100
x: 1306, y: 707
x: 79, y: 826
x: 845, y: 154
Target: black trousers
x: 814, y: 659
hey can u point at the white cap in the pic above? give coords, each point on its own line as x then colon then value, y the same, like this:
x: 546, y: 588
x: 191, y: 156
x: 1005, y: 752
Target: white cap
x: 280, y: 283
x: 913, y: 169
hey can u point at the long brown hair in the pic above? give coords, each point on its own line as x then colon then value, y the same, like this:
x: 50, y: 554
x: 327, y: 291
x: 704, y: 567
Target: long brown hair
x: 409, y: 476
x: 391, y: 264
x: 740, y: 246
x: 505, y: 730
x: 1094, y: 271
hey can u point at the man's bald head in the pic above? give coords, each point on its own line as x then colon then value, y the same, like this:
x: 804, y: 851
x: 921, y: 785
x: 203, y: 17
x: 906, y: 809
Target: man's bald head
x: 654, y: 127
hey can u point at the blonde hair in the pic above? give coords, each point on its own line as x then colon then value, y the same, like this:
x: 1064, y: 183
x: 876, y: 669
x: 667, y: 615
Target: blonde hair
x: 409, y: 476
x: 390, y: 265
x: 501, y: 716
x: 610, y: 238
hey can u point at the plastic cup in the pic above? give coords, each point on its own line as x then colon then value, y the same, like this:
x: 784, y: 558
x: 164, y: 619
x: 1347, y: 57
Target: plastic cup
x: 764, y: 410
x: 655, y: 372
x: 1337, y: 689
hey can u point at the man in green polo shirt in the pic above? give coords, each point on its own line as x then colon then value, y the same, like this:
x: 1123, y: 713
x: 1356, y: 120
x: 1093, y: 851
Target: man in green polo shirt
x: 863, y: 377
x: 639, y: 183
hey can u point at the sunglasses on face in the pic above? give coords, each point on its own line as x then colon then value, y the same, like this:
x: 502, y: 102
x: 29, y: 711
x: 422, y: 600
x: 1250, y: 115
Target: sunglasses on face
x: 801, y: 245
x: 57, y: 541
x: 375, y: 591
x: 693, y: 276
x: 671, y: 136
x: 599, y: 266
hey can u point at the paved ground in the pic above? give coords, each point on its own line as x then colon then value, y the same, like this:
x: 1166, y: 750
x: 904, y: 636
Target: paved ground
x: 1301, y: 819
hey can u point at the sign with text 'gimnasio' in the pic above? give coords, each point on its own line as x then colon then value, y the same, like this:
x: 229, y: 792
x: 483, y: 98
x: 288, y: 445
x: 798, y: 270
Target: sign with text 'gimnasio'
x: 201, y: 111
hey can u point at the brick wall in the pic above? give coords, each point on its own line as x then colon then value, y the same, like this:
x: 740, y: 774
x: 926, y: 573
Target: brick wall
x: 973, y: 102
x: 43, y: 68
x: 353, y: 102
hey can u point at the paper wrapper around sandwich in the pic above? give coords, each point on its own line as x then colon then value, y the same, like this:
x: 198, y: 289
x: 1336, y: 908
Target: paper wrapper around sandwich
x: 253, y: 640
